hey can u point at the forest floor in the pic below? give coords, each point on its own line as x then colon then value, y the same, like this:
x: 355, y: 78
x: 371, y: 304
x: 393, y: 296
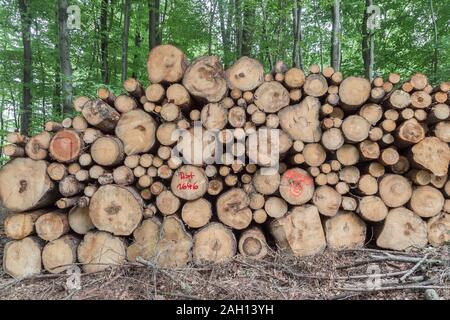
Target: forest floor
x: 331, y: 275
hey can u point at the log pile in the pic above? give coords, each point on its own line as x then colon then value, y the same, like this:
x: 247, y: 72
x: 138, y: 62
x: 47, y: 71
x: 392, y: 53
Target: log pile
x: 357, y: 161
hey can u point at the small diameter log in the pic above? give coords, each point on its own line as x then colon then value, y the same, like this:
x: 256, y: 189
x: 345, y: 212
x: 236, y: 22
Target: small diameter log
x: 52, y: 225
x: 350, y: 175
x: 123, y: 176
x: 79, y: 220
x: 348, y: 155
x: 178, y: 95
x: 59, y: 255
x: 315, y: 85
x: 442, y: 131
x: 197, y: 213
x: 246, y: 74
x: 420, y: 177
x: 65, y: 203
x: 294, y: 78
x: 345, y: 231
x: 438, y: 112
x: 137, y: 130
x: 214, y: 243
x: 237, y: 117
x: 100, y: 250
x: 125, y: 103
x: 232, y: 209
x: 332, y: 139
x: 296, y: 186
x: 106, y: 95
x: 36, y: 148
x: 438, y: 229
x: 25, y: 185
x: 107, y: 151
x: 314, y: 154
x: 189, y: 182
x: 367, y: 185
x: 173, y: 250
x: 426, y: 201
x: 300, y: 232
x: 252, y: 244
x: 106, y: 178
x: 369, y: 150
x: 395, y: 190
x: 116, y: 209
x: 389, y: 156
x: 410, y: 132
x: 170, y: 112
x: 205, y: 79
x: 146, y: 237
x: 96, y: 171
x: 372, y: 112
x: 349, y: 204
x: 372, y: 208
x: 100, y: 115
x: 271, y: 97
x: 275, y: 207
x: 402, y: 229
x: 327, y: 200
x: 14, y: 151
x: 79, y: 124
x: 266, y: 182
x: 155, y: 93
x: 420, y: 100
x: 22, y: 258
x: 399, y: 99
x: 353, y: 92
x: 166, y: 133
x: 432, y: 154
x: 355, y: 128
x: 167, y: 203
x: 166, y: 64
x: 214, y: 116
x: 20, y: 225
x: 70, y: 186
x: 301, y: 121
x: 66, y: 146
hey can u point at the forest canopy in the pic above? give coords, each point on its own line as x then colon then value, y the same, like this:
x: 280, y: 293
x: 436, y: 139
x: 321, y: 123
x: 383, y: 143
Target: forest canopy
x: 45, y: 62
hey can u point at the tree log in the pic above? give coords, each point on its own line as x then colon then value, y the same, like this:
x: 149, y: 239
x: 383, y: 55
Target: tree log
x: 166, y: 64
x: 432, y: 154
x: 246, y: 74
x: 60, y: 254
x: 79, y: 220
x: 22, y: 258
x: 395, y: 190
x: 146, y: 238
x: 100, y: 115
x: 271, y: 97
x: 52, y: 225
x: 66, y: 146
x: 214, y: 243
x: 252, y: 244
x: 345, y: 231
x: 232, y: 209
x: 197, y: 213
x: 297, y: 186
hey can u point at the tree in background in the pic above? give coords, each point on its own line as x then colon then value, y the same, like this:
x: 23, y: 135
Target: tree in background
x: 335, y: 60
x: 126, y: 30
x: 64, y: 57
x: 154, y: 33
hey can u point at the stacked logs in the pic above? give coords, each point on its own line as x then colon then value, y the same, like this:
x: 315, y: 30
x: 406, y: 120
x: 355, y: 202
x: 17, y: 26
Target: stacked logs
x: 358, y: 161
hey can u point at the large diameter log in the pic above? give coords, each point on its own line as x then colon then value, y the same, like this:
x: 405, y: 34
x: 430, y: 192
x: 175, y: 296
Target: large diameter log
x: 116, y: 209
x: 214, y: 243
x: 327, y: 200
x: 205, y: 79
x: 345, y: 231
x: 301, y: 121
x: 175, y: 245
x: 22, y: 258
x: 232, y: 209
x: 177, y: 94
x: 196, y: 213
x: 439, y: 229
x: 100, y: 115
x: 432, y: 154
x: 52, y: 225
x: 20, y: 225
x: 79, y: 220
x: 372, y: 208
x: 426, y: 201
x: 146, y: 237
x: 271, y: 97
x: 66, y: 146
x: 294, y: 78
x: 60, y: 254
x: 246, y: 74
x: 137, y: 130
x: 100, y: 250
x: 395, y: 190
x: 189, y: 182
x: 252, y: 244
x: 402, y: 229
x: 300, y: 231
x: 107, y: 151
x: 25, y: 185
x: 296, y: 186
x: 166, y: 64
x: 354, y: 92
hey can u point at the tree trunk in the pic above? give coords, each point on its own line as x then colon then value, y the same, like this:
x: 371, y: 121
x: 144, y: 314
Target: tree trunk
x: 214, y: 243
x: 104, y: 41
x: 154, y: 34
x: 25, y: 17
x: 59, y: 255
x: 248, y: 16
x: 336, y: 35
x: 64, y: 57
x: 367, y: 44
x: 126, y: 29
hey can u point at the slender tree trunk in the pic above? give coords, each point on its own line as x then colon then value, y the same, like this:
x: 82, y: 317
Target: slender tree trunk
x: 104, y: 40
x: 126, y: 29
x: 238, y: 29
x: 319, y: 30
x: 297, y: 31
x: 224, y: 32
x: 137, y: 45
x: 25, y: 18
x: 64, y: 57
x: 154, y: 35
x: 367, y: 44
x: 213, y: 4
x: 336, y: 35
x: 436, y: 42
x: 247, y: 28
x: 266, y: 37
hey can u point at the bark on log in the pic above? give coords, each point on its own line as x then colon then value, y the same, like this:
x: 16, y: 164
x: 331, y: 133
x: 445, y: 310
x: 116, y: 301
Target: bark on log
x: 146, y: 238
x: 66, y: 146
x: 21, y: 225
x: 101, y: 115
x: 252, y: 244
x: 79, y: 220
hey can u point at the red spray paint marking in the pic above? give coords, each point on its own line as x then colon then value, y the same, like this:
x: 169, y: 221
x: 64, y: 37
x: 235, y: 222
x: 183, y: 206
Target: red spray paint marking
x: 296, y: 181
x: 187, y: 185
